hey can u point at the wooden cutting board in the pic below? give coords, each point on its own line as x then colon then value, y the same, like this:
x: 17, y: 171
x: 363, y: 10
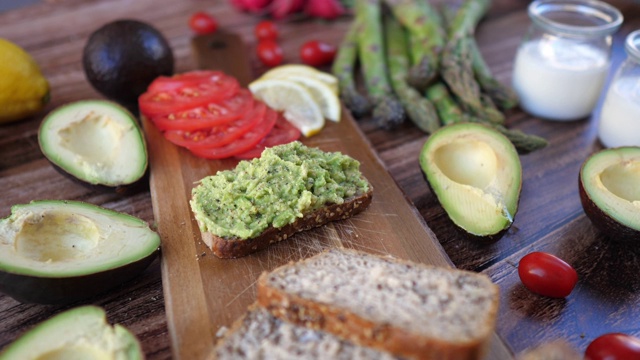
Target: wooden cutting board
x: 204, y: 294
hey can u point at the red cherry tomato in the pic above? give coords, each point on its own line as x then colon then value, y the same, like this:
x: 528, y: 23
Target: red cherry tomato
x: 270, y: 53
x: 202, y: 23
x: 266, y: 30
x: 317, y: 53
x: 547, y: 275
x: 614, y: 346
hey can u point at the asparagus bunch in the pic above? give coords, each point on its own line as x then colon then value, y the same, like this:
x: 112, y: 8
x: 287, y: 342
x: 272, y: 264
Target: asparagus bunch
x: 424, y: 62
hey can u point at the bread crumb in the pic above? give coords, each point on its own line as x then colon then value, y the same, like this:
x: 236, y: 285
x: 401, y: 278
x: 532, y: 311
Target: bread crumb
x: 223, y: 330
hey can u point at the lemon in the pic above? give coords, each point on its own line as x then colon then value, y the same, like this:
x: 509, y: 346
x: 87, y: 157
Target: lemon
x: 326, y: 99
x: 294, y: 100
x: 287, y: 70
x: 23, y: 89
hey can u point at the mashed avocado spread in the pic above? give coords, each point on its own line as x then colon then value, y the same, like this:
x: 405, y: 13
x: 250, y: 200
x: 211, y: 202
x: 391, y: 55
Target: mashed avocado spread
x: 274, y: 190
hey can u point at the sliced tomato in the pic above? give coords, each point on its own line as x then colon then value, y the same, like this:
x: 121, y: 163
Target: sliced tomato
x: 220, y: 135
x: 167, y: 95
x: 244, y: 143
x: 212, y: 114
x: 282, y: 133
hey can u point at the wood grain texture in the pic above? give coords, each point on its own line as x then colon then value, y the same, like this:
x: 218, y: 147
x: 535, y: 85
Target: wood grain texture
x: 550, y: 217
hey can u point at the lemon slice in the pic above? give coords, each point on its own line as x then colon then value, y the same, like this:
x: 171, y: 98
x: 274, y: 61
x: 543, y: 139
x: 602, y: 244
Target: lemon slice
x: 287, y: 70
x: 322, y: 94
x: 294, y: 100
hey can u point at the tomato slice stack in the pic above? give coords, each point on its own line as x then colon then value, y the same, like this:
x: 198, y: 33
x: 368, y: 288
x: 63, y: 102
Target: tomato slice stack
x: 209, y: 113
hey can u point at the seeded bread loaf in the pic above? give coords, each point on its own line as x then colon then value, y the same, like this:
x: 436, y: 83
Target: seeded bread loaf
x: 259, y: 335
x: 290, y: 188
x: 410, y: 310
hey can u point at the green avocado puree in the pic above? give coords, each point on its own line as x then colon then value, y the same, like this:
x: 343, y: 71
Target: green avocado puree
x: 274, y: 190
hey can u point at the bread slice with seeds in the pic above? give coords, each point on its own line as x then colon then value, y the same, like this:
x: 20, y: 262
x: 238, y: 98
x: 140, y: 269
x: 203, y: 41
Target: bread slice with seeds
x: 290, y: 188
x: 408, y: 309
x: 260, y: 335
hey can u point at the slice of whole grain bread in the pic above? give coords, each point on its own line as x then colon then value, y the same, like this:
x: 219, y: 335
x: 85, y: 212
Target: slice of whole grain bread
x: 260, y: 335
x: 235, y: 247
x: 408, y: 309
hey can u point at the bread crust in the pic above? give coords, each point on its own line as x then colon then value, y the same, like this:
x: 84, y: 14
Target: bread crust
x: 350, y: 326
x: 227, y: 248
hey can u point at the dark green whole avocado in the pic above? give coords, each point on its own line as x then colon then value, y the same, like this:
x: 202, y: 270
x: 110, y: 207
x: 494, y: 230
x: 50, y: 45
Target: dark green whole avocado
x: 123, y: 57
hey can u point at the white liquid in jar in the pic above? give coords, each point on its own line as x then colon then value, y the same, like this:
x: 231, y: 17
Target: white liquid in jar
x: 559, y: 79
x: 620, y: 117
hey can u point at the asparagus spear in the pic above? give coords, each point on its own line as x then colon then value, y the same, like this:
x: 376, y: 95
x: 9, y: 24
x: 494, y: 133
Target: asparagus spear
x: 387, y: 111
x: 457, y: 69
x: 448, y: 110
x: 420, y: 110
x: 344, y: 69
x: 501, y: 95
x: 427, y: 38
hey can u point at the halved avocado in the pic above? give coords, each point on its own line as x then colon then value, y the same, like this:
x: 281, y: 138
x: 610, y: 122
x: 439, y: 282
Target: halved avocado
x: 79, y: 333
x: 95, y: 141
x: 476, y: 174
x: 609, y: 185
x: 55, y: 251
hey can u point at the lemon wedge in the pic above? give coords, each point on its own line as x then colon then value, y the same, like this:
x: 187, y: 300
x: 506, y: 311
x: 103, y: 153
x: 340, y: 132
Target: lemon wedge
x: 288, y: 70
x: 322, y: 94
x: 297, y: 103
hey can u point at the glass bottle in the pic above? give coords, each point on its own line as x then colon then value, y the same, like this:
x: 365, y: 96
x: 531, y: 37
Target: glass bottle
x: 620, y: 116
x: 563, y: 60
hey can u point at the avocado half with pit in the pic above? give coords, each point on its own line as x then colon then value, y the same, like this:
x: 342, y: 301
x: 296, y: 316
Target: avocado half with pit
x: 55, y: 252
x: 476, y: 174
x: 610, y: 192
x: 97, y: 142
x: 79, y: 333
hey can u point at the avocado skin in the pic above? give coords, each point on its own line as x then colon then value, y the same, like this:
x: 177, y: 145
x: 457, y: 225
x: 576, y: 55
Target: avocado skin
x: 123, y: 57
x: 65, y: 290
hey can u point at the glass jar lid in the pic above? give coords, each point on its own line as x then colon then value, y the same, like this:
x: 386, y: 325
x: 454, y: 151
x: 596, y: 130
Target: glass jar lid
x: 632, y: 45
x: 580, y: 18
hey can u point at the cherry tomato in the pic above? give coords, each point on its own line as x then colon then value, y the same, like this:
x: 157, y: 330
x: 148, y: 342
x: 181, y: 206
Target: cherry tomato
x: 242, y: 144
x: 547, y: 275
x: 317, y: 53
x: 212, y: 114
x: 614, y: 346
x: 282, y: 133
x: 266, y: 30
x: 202, y: 23
x: 167, y: 95
x: 270, y: 53
x: 217, y: 136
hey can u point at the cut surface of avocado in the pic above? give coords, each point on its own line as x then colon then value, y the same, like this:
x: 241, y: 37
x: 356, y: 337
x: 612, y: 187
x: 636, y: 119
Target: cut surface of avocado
x: 476, y: 174
x: 79, y: 333
x: 67, y: 238
x: 96, y: 141
x: 610, y: 182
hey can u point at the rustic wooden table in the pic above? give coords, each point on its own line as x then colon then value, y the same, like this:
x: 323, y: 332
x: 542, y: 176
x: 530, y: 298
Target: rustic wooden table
x: 550, y: 217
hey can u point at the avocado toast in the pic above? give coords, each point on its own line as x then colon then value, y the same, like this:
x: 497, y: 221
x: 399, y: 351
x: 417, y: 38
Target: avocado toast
x: 290, y: 188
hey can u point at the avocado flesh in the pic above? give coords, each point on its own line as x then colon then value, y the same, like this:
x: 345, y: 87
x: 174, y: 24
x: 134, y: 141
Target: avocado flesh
x: 476, y: 174
x: 610, y: 192
x: 57, y: 252
x: 79, y: 333
x: 95, y: 141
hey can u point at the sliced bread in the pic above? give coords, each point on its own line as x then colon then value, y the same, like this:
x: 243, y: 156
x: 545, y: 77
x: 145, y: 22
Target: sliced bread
x: 290, y: 188
x: 408, y: 309
x: 259, y: 335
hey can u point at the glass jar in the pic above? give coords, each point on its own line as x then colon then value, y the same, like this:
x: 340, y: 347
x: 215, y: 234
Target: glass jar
x: 564, y: 58
x: 620, y: 116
